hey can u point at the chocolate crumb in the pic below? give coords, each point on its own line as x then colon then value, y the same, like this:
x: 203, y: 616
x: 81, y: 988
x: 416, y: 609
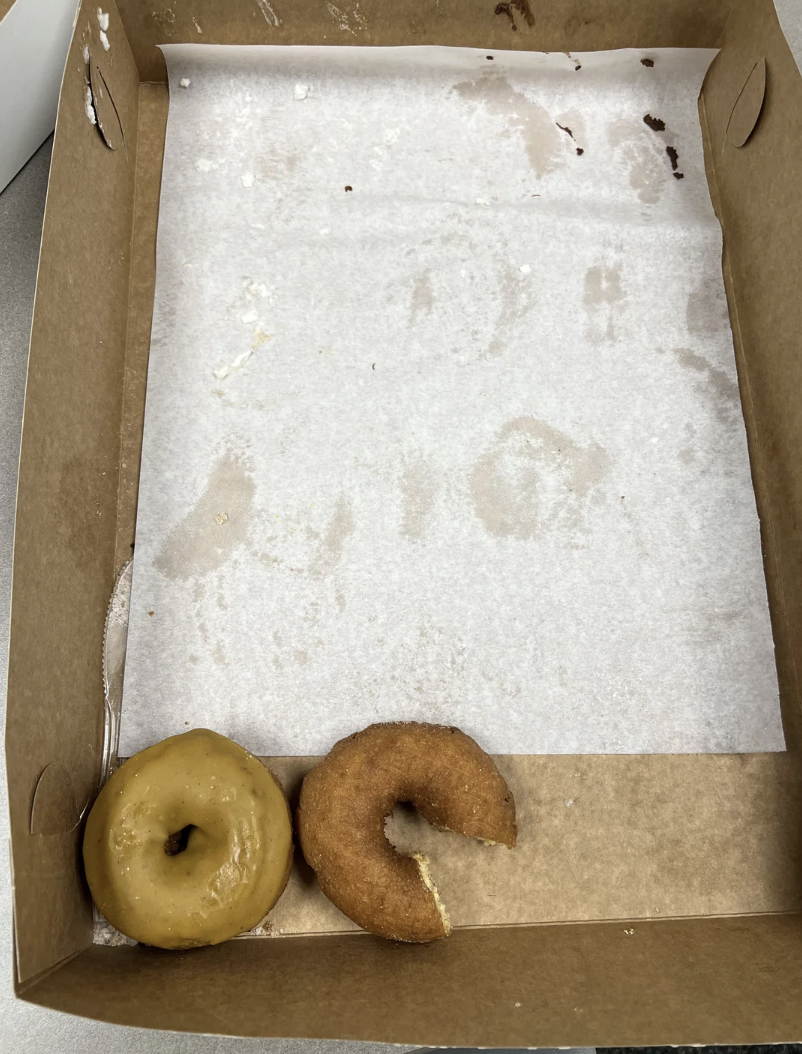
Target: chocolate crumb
x: 655, y: 123
x: 647, y: 62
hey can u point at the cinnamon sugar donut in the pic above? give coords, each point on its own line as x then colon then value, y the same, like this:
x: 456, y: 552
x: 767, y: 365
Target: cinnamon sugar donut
x: 345, y: 800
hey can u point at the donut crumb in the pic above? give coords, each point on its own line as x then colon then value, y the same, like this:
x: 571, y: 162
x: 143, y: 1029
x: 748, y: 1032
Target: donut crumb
x: 426, y: 878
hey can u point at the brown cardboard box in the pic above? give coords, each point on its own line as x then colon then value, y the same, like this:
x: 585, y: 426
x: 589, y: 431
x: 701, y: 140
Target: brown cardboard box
x: 714, y: 841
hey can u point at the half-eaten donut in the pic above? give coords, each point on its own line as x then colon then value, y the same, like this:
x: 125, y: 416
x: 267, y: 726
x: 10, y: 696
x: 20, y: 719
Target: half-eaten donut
x: 345, y: 800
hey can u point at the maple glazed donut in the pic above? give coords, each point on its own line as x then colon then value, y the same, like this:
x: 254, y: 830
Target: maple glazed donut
x: 345, y: 800
x: 188, y: 843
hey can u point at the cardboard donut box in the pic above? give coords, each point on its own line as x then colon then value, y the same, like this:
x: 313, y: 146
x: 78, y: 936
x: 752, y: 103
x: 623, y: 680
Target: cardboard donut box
x: 669, y: 910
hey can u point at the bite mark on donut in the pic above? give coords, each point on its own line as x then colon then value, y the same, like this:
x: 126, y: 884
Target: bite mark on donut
x: 426, y: 877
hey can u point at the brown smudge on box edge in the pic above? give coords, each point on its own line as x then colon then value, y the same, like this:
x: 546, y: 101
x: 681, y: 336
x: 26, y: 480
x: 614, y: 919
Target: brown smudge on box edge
x: 521, y: 6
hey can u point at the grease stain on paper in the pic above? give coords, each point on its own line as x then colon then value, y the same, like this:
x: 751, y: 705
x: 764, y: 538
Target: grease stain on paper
x: 603, y: 291
x: 644, y: 156
x: 199, y: 544
x: 330, y: 552
x: 707, y: 313
x: 419, y: 488
x: 540, y: 137
x: 572, y: 124
x: 535, y: 478
x: 515, y: 296
x: 723, y: 389
x: 422, y: 299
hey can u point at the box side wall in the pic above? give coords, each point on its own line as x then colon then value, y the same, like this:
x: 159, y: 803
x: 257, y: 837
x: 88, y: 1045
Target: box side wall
x: 758, y: 197
x: 579, y: 25
x: 703, y: 981
x: 67, y: 499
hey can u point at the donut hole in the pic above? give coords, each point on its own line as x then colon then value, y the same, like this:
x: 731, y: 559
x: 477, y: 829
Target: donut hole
x: 404, y: 827
x: 176, y: 843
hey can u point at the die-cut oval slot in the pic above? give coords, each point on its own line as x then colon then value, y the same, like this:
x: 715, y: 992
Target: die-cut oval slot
x: 108, y: 120
x: 54, y: 809
x: 748, y: 105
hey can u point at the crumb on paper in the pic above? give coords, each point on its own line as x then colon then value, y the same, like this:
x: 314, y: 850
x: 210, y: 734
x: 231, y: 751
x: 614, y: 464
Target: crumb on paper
x: 104, y: 40
x: 525, y: 269
x: 259, y: 337
x: 151, y: 613
x: 102, y: 19
x: 241, y: 360
x: 482, y: 201
x: 301, y: 91
x: 249, y: 318
x: 89, y: 105
x: 261, y: 929
x: 221, y: 518
x: 247, y: 179
x: 104, y: 933
x: 185, y: 82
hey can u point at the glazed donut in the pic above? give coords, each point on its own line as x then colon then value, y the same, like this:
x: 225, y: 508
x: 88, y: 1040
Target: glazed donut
x: 188, y: 843
x: 347, y: 797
